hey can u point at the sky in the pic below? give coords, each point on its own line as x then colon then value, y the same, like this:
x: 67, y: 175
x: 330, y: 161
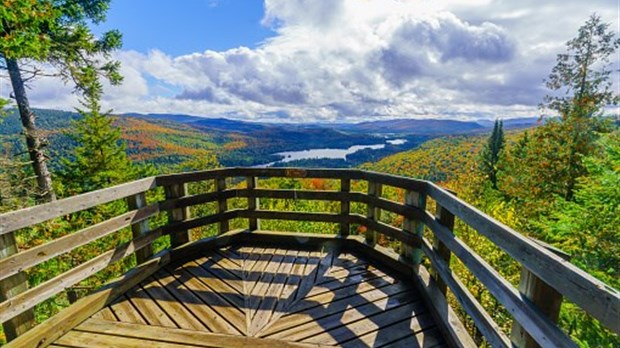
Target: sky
x: 334, y: 60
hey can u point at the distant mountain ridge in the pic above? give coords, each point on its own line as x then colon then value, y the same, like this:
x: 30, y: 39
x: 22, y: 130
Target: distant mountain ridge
x: 394, y: 126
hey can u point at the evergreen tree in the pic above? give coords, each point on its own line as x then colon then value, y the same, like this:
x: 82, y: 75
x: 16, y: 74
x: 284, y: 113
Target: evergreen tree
x: 99, y: 159
x: 582, y: 74
x: 54, y: 32
x: 581, y: 89
x: 491, y: 153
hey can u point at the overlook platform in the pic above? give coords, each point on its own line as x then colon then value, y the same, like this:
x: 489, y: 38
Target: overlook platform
x: 380, y: 273
x: 261, y: 296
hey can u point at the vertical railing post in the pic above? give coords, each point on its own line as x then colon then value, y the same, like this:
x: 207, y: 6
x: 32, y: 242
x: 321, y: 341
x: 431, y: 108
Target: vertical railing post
x: 173, y: 191
x: 222, y: 203
x: 134, y: 202
x: 546, y: 298
x: 253, y: 202
x: 373, y: 213
x: 11, y: 287
x: 445, y: 218
x: 412, y: 225
x: 345, y: 207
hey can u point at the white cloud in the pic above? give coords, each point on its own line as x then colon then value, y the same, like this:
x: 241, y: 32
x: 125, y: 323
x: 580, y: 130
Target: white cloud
x: 361, y: 59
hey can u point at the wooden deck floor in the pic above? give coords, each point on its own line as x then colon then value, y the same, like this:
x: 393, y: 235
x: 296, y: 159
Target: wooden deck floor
x: 264, y: 297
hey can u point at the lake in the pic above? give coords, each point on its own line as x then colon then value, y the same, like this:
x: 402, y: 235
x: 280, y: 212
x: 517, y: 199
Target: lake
x: 328, y: 153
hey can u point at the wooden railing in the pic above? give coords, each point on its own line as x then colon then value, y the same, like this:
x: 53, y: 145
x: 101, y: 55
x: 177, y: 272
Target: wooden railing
x: 544, y: 272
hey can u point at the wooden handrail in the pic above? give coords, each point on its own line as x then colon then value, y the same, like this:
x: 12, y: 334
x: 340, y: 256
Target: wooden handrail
x: 593, y: 296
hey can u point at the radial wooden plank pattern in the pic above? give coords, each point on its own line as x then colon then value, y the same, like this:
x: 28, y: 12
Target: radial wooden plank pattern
x: 269, y: 297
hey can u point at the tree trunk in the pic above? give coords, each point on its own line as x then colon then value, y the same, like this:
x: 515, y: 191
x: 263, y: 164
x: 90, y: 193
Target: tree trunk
x: 45, y: 192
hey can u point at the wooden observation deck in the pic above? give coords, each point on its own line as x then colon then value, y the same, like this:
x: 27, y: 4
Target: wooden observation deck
x: 249, y: 287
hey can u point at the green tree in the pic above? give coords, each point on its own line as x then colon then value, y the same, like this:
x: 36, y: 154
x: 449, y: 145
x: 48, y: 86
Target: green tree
x: 100, y: 159
x: 491, y: 153
x: 581, y: 88
x: 582, y: 75
x: 54, y: 32
x: 587, y: 228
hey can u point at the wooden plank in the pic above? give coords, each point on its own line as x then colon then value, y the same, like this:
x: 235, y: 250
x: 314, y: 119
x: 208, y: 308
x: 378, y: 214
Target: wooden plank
x: 536, y: 324
x: 424, y: 339
x: 416, y: 326
x: 216, y: 284
x: 47, y: 332
x: 179, y: 236
x: 140, y: 228
x: 291, y: 286
x: 200, y: 198
x: 126, y: 312
x: 482, y: 320
x: 287, y: 239
x: 34, y: 256
x: 595, y: 297
x: 446, y: 218
x: 105, y: 314
x: 395, y: 180
x: 373, y: 213
x: 351, y: 285
x: 222, y: 204
x: 209, y: 307
x: 197, y: 248
x: 320, y: 173
x: 186, y: 337
x: 15, y: 220
x: 261, y: 299
x: 96, y: 340
x: 413, y: 226
x: 326, y: 195
x: 28, y: 299
x: 286, y: 215
x: 253, y: 201
x: 333, y: 315
x: 229, y: 273
x: 273, y: 294
x: 203, y: 175
x: 11, y: 287
x: 156, y: 288
x: 454, y: 331
x: 545, y: 297
x: 345, y: 206
x: 409, y: 239
x: 149, y: 309
x: 368, y: 324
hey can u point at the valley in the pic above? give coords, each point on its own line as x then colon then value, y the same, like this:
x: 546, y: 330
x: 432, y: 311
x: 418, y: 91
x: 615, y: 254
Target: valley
x: 166, y: 140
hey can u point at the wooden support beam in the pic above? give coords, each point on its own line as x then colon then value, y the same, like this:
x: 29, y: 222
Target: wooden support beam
x: 345, y: 207
x: 253, y: 202
x: 546, y: 298
x: 180, y: 236
x: 373, y: 213
x: 140, y: 228
x: 222, y: 203
x: 445, y: 218
x: 11, y: 287
x: 412, y: 225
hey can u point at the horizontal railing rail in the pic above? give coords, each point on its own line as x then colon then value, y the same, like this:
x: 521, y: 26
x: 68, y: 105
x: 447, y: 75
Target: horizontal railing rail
x: 532, y: 323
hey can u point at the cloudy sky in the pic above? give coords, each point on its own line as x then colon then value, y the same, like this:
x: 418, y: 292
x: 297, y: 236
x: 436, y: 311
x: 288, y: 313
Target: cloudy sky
x: 335, y: 60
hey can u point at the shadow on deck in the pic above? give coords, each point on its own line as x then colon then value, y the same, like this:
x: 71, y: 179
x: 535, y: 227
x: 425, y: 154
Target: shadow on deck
x: 269, y: 295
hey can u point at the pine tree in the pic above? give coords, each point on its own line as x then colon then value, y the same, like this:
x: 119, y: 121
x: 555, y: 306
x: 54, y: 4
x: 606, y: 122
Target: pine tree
x: 491, y: 153
x: 55, y: 33
x: 99, y: 159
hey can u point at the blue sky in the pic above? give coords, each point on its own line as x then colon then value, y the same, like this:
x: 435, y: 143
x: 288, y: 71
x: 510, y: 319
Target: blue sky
x: 334, y: 60
x: 168, y: 25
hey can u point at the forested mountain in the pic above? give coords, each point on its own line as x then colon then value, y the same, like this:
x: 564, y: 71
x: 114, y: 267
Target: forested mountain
x: 165, y: 139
